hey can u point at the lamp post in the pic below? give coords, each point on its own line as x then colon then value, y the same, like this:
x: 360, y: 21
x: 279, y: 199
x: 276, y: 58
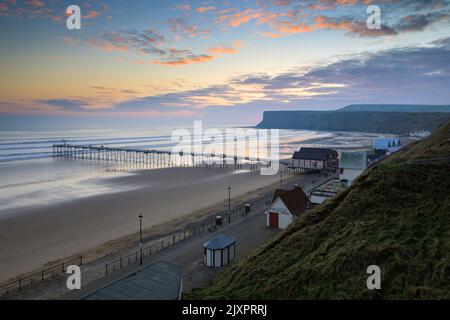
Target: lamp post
x: 140, y: 238
x: 229, y: 204
x: 281, y: 180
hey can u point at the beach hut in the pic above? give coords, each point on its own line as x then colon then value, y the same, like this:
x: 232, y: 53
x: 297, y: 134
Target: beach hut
x: 286, y: 206
x: 219, y: 251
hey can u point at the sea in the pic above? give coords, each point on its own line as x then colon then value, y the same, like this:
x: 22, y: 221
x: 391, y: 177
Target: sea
x: 30, y: 175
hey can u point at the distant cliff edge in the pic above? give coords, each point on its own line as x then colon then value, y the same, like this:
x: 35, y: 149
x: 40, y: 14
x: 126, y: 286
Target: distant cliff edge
x: 364, y: 118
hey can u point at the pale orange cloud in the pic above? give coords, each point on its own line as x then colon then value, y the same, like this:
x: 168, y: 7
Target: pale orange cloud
x: 324, y: 23
x: 205, y: 9
x: 35, y: 3
x: 91, y: 15
x: 185, y: 61
x: 287, y: 27
x: 235, y: 20
x: 106, y: 46
x: 139, y: 62
x: 271, y: 35
x: 221, y: 49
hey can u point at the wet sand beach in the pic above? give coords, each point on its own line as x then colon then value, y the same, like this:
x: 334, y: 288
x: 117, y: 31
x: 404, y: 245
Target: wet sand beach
x: 167, y: 198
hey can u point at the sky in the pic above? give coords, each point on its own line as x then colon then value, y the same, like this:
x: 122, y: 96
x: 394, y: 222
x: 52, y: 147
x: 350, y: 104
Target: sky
x: 218, y: 61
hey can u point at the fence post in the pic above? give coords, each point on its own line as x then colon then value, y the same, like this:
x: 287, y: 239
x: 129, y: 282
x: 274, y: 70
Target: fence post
x: 81, y: 260
x: 42, y: 275
x: 106, y: 269
x: 62, y: 267
x: 121, y: 262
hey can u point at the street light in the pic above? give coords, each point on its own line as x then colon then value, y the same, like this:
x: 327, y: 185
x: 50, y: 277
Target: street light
x: 140, y: 238
x: 281, y: 180
x: 229, y: 204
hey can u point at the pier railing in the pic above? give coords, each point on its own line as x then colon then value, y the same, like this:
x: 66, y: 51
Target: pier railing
x: 47, y: 273
x: 155, y: 158
x: 209, y: 224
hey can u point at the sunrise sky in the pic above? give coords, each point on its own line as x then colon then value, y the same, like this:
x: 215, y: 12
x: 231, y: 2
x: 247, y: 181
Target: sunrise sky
x: 215, y: 60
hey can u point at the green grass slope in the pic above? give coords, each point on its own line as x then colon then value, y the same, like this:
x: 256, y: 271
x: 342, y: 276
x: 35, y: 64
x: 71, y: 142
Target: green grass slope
x: 396, y: 216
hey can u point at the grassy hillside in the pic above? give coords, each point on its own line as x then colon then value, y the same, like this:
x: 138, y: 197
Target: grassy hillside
x: 362, y: 121
x: 397, y: 216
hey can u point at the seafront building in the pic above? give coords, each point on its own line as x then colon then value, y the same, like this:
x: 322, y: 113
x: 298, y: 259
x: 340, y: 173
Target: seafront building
x: 286, y: 206
x: 314, y: 160
x: 351, y: 166
x: 389, y: 145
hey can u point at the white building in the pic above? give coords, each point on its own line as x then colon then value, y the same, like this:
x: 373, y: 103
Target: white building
x: 351, y: 165
x: 389, y: 145
x: 286, y: 206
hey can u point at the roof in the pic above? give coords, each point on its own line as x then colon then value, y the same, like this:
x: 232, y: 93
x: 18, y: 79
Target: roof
x: 315, y: 154
x: 159, y: 281
x: 222, y: 241
x: 295, y: 200
x: 371, y: 158
x: 385, y: 143
x: 329, y: 188
x: 353, y: 160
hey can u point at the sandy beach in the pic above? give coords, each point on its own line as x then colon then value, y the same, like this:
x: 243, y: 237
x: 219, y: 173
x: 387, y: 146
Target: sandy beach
x: 95, y: 226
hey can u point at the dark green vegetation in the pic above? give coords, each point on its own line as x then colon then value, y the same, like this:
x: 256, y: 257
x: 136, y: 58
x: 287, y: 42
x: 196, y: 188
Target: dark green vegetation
x: 396, y: 108
x: 396, y: 216
x: 396, y: 119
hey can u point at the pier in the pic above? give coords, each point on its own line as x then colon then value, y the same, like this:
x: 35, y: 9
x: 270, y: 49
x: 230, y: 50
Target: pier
x: 152, y: 158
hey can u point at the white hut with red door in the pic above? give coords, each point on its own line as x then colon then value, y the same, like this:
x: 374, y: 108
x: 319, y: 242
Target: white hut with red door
x: 286, y: 206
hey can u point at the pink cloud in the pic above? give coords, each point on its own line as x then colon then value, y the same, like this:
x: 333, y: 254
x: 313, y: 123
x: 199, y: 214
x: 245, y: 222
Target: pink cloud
x: 221, y: 49
x: 139, y: 62
x: 271, y: 35
x: 91, y: 15
x: 107, y: 46
x: 186, y: 60
x: 235, y: 20
x: 205, y: 9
